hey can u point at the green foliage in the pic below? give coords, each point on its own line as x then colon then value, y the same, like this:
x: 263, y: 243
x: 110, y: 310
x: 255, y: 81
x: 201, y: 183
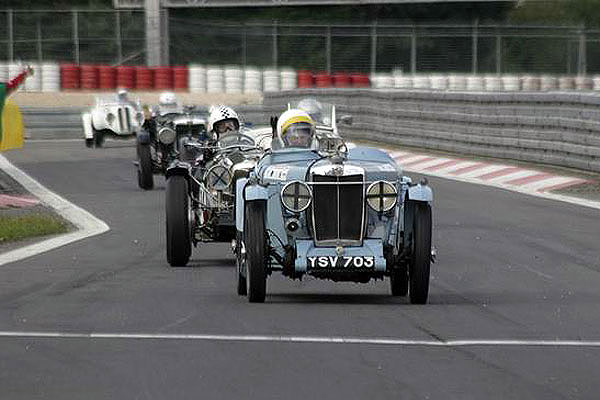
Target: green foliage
x: 558, y: 12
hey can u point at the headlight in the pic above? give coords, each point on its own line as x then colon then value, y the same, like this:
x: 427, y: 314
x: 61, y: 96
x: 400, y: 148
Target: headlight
x: 166, y: 135
x: 218, y: 178
x: 381, y: 196
x: 296, y: 196
x: 110, y: 118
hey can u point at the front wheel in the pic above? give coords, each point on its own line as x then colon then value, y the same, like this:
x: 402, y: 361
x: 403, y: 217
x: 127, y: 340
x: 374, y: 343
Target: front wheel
x: 242, y: 289
x: 255, y: 242
x: 421, y: 257
x: 98, y: 137
x: 144, y: 171
x: 179, y: 240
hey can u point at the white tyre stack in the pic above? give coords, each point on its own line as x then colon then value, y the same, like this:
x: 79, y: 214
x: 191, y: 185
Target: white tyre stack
x: 531, y: 83
x: 596, y: 81
x: 234, y: 82
x: 457, y: 82
x: 50, y: 73
x: 583, y: 82
x: 4, y: 72
x: 493, y: 83
x: 288, y: 79
x: 548, y: 82
x: 34, y: 83
x: 402, y: 81
x: 271, y: 80
x: 439, y: 82
x: 215, y: 80
x: 475, y: 83
x: 421, y: 82
x: 252, y: 80
x: 197, y: 78
x: 511, y: 83
x: 566, y: 83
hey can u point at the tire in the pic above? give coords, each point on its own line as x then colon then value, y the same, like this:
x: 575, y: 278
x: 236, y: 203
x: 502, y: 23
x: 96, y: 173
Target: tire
x: 89, y: 143
x: 179, y: 240
x: 98, y: 137
x: 241, y: 279
x: 421, y: 257
x: 399, y: 281
x: 144, y: 170
x: 255, y: 241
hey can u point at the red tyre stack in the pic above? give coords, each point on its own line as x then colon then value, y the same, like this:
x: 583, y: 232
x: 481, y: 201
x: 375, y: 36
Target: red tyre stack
x: 107, y: 77
x: 322, y: 80
x: 163, y: 78
x: 89, y: 77
x: 144, y: 78
x: 180, y: 78
x: 126, y: 77
x: 69, y: 76
x: 305, y: 79
x: 360, y: 80
x: 341, y: 80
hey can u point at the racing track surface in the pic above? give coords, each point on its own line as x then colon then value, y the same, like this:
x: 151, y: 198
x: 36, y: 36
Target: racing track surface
x: 510, y: 267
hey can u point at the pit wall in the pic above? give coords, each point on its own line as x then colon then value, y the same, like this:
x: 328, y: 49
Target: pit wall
x: 556, y: 128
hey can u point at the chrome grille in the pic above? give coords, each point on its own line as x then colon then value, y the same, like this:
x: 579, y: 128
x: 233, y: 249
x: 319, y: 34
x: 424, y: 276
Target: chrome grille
x: 338, y: 209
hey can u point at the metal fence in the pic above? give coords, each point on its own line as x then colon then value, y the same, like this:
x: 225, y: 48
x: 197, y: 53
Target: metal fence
x: 118, y: 37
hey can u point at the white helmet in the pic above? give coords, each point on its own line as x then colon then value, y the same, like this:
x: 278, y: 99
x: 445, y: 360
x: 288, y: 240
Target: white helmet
x: 221, y: 119
x: 122, y: 94
x: 295, y: 128
x: 167, y: 99
x: 312, y: 107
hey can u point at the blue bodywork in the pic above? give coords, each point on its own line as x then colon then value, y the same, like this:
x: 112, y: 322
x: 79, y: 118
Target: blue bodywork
x: 297, y: 252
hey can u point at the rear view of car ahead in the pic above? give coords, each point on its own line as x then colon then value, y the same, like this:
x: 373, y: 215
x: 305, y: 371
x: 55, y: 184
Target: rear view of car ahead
x: 117, y: 117
x: 344, y: 215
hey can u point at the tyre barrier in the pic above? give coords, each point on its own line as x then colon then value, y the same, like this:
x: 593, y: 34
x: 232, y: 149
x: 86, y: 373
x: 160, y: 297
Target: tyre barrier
x: 180, y: 78
x: 107, y: 77
x: 555, y: 128
x: 215, y: 80
x: 126, y: 76
x: 70, y: 76
x: 360, y: 80
x: 341, y: 80
x: 144, y: 78
x: 252, y: 80
x: 271, y: 80
x: 234, y: 80
x: 288, y: 79
x: 197, y: 78
x: 89, y: 77
x: 163, y: 78
x: 306, y: 79
x: 34, y: 83
x: 50, y: 73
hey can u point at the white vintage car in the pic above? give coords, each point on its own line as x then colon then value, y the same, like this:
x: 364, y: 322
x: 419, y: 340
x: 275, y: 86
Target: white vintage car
x: 116, y: 116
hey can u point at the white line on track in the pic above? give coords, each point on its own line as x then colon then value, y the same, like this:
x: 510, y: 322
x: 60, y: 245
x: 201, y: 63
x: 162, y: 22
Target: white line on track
x: 301, y: 339
x: 87, y: 225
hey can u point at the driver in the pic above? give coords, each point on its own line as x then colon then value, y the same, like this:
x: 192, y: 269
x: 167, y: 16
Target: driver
x: 223, y: 120
x: 313, y: 108
x: 296, y: 128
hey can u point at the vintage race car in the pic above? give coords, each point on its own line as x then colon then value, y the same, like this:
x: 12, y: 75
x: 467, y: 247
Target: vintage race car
x: 344, y: 215
x: 161, y: 141
x: 111, y: 116
x: 200, y: 194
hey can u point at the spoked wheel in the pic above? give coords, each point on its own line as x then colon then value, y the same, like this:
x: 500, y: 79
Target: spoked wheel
x: 421, y: 257
x: 144, y: 170
x: 255, y: 241
x: 239, y: 262
x: 179, y: 238
x: 399, y: 281
x: 98, y: 137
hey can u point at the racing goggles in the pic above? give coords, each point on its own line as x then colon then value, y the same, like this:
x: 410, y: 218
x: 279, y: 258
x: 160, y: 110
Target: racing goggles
x: 299, y: 134
x: 226, y: 125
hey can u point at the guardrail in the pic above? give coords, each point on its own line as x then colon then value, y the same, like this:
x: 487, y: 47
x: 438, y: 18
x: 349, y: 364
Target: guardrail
x: 556, y: 128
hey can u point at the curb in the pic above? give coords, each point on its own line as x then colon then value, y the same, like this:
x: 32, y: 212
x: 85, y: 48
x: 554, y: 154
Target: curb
x: 87, y: 225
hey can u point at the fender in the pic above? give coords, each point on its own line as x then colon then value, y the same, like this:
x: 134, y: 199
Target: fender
x: 87, y: 125
x: 420, y: 193
x: 178, y: 168
x: 239, y: 203
x: 143, y: 137
x: 98, y: 119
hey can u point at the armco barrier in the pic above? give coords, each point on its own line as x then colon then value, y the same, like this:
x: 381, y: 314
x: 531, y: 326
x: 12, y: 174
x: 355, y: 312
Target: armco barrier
x: 554, y: 128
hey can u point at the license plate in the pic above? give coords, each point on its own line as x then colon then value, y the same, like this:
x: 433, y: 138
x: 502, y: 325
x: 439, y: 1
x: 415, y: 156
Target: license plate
x: 350, y: 262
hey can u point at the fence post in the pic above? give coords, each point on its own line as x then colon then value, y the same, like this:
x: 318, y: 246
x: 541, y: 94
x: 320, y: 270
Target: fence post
x: 582, y: 53
x: 498, y: 53
x: 474, y: 41
x: 274, y: 34
x: 413, y: 50
x: 38, y: 26
x: 11, y: 39
x: 374, y: 47
x: 244, y: 45
x: 76, y: 36
x: 328, y: 49
x: 165, y: 57
x: 118, y: 37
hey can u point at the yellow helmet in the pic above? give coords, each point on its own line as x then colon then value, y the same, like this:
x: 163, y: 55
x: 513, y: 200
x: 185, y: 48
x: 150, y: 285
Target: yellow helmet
x: 296, y: 128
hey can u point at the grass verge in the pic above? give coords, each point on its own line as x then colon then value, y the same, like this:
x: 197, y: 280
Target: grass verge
x: 18, y: 227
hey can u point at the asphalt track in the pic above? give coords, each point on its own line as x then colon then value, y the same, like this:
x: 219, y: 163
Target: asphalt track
x: 511, y: 267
